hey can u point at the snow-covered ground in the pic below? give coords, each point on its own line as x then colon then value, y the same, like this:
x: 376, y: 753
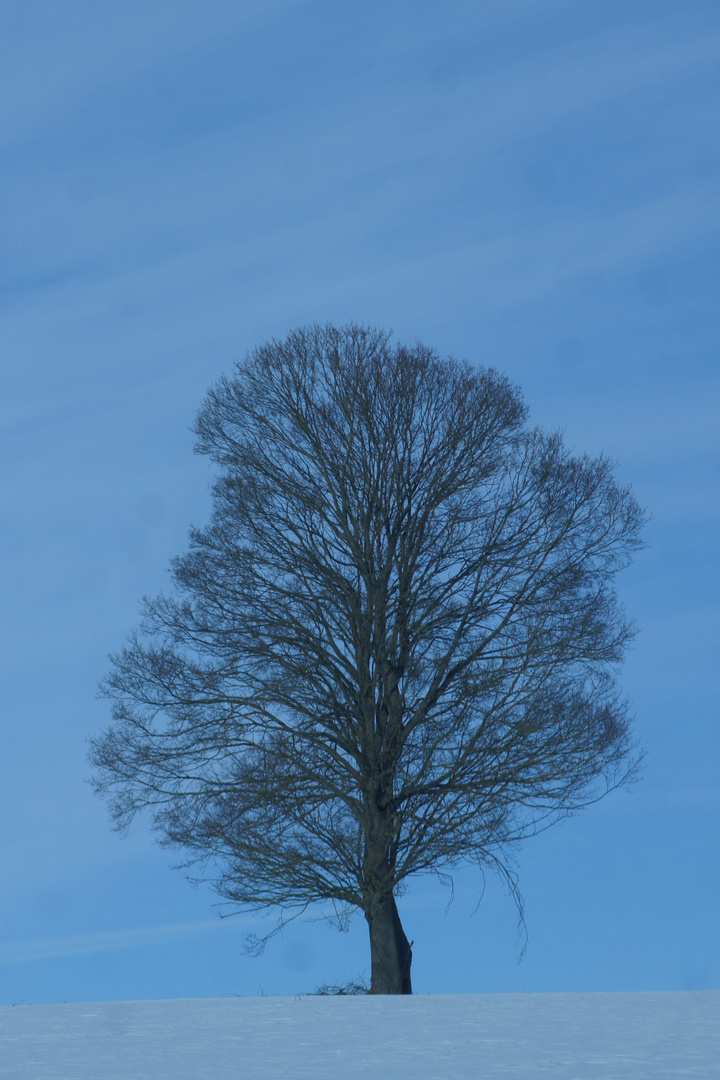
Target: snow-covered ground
x: 450, y: 1037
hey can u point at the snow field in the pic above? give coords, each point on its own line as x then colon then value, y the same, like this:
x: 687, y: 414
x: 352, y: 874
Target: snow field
x: 618, y: 1036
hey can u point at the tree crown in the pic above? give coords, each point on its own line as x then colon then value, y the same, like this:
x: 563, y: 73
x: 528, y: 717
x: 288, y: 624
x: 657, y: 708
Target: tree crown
x: 394, y: 646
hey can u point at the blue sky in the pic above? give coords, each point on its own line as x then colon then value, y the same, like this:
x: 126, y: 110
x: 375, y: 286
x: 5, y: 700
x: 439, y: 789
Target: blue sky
x: 531, y: 184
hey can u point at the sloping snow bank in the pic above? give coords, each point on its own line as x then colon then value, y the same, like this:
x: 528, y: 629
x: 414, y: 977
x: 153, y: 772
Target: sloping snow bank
x: 638, y: 1036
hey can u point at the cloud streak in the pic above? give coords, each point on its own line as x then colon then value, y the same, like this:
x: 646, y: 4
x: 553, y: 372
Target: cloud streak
x: 53, y: 948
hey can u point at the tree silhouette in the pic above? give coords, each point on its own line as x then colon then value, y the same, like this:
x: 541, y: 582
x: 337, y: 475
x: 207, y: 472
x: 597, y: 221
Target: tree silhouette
x: 392, y: 650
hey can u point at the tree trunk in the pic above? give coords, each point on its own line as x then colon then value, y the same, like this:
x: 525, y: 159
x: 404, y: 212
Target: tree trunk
x: 390, y: 950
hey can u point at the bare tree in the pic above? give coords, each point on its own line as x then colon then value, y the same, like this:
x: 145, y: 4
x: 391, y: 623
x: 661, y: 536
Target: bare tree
x: 392, y: 650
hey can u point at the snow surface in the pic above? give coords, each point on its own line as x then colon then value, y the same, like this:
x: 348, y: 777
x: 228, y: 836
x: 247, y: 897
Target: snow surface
x: 632, y: 1036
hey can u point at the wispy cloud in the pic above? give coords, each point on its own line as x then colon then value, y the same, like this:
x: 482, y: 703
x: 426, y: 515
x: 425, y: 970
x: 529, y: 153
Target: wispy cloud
x: 72, y: 945
x: 52, y: 60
